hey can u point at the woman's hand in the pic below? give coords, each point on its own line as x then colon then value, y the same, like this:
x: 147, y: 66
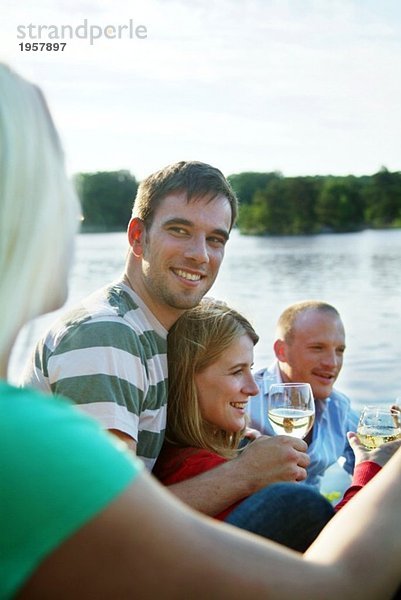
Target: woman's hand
x: 379, y: 455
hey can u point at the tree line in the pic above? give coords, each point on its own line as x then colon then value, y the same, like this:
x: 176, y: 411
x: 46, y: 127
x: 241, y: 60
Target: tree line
x: 269, y: 202
x: 277, y: 205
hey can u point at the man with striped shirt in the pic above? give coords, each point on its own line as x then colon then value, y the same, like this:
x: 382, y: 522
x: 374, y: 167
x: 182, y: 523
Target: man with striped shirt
x: 309, y: 347
x: 109, y: 353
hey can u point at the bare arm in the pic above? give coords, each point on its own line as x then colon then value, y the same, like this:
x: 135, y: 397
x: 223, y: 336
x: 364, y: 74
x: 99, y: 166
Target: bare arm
x: 363, y: 539
x: 266, y: 460
x: 148, y: 545
x: 127, y: 439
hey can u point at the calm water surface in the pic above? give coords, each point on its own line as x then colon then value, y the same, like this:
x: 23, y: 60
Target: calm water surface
x: 360, y: 273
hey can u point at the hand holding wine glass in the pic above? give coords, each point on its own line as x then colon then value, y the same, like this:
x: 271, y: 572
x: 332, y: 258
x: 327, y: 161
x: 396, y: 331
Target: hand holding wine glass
x: 291, y: 409
x: 378, y: 425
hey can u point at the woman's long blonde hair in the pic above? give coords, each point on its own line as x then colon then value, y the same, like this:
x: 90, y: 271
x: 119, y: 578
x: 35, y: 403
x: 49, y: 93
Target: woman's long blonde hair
x: 196, y: 341
x: 39, y: 212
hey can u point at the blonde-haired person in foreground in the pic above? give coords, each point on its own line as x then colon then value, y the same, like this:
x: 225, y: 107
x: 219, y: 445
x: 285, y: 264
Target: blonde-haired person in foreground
x: 79, y: 518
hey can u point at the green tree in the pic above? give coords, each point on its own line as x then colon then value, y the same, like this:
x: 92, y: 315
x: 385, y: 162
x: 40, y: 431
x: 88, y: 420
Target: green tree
x: 383, y: 199
x: 107, y: 198
x: 284, y: 206
x: 340, y: 204
x: 274, y: 207
x: 302, y: 193
x: 248, y: 183
x: 252, y: 217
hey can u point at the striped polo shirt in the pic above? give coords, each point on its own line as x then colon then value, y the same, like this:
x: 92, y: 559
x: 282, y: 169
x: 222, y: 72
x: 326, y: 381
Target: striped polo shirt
x: 108, y: 355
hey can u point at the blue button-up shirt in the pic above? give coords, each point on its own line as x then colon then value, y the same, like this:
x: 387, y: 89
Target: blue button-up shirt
x: 334, y: 417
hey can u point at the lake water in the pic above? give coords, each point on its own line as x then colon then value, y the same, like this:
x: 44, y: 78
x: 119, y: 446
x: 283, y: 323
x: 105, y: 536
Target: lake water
x: 360, y: 273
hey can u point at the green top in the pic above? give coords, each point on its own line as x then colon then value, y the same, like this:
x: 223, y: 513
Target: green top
x: 57, y: 470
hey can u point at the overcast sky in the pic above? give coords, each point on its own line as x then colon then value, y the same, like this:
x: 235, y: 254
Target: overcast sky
x: 300, y: 86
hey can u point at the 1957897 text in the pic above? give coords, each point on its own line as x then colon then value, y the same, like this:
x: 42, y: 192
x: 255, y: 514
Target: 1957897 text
x: 42, y: 46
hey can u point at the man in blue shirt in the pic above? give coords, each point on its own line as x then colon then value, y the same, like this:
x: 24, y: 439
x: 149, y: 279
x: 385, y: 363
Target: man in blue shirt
x: 309, y: 347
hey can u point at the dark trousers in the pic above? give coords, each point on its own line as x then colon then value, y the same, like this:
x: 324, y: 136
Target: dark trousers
x: 291, y: 514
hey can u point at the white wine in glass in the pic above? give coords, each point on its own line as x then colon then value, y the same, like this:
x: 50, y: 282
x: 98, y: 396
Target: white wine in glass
x: 378, y: 425
x: 291, y: 409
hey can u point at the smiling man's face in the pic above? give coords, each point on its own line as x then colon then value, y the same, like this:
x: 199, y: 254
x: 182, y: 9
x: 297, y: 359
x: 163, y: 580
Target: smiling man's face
x: 179, y: 256
x: 315, y: 352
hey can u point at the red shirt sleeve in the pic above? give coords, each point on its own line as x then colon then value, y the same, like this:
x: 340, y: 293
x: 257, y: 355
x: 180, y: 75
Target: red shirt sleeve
x: 177, y: 464
x: 363, y: 473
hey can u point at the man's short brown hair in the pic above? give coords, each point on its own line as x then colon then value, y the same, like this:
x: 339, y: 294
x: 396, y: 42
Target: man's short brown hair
x: 196, y: 179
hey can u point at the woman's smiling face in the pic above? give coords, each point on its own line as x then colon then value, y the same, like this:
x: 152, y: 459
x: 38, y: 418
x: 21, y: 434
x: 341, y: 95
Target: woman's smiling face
x: 224, y: 386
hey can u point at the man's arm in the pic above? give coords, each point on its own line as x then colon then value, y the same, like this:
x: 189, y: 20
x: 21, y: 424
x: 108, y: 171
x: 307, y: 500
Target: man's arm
x: 262, y: 462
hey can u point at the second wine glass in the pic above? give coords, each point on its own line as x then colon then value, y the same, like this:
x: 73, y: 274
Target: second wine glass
x: 378, y: 425
x: 291, y: 409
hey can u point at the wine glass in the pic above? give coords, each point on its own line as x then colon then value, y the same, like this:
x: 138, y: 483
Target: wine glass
x: 378, y: 425
x: 291, y: 409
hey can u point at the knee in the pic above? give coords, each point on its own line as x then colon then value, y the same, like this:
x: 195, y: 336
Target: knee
x: 288, y: 513
x: 295, y: 496
x: 288, y: 496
